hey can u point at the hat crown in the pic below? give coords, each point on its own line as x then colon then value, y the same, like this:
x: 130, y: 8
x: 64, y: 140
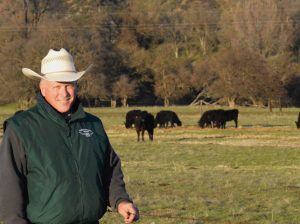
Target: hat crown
x: 57, y: 66
x: 57, y: 61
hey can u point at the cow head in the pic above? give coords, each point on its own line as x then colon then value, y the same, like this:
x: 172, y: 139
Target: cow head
x: 127, y: 124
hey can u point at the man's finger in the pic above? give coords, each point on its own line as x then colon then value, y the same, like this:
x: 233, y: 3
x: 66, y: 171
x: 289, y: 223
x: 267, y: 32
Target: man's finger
x: 132, y: 216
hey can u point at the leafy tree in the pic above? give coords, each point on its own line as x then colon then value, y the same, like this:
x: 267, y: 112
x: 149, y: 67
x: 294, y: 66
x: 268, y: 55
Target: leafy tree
x: 160, y: 37
x: 171, y: 75
x: 242, y: 74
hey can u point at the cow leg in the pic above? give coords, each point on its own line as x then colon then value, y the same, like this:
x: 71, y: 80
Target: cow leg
x: 236, y: 123
x: 138, y: 135
x: 150, y: 135
x: 143, y: 131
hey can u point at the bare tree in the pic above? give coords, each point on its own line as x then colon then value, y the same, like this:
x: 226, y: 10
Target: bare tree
x: 92, y: 86
x: 51, y: 30
x: 260, y: 25
x: 124, y: 88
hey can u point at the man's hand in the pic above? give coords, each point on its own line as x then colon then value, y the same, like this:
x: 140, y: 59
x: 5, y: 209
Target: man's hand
x: 129, y: 211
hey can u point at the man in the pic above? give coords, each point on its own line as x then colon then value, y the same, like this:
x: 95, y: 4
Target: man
x: 56, y: 163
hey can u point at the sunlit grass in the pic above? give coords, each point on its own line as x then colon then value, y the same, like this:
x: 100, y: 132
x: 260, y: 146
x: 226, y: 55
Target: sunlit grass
x: 249, y: 174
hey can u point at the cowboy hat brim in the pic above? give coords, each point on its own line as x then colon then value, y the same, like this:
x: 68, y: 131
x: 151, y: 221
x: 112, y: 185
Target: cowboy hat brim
x: 56, y: 76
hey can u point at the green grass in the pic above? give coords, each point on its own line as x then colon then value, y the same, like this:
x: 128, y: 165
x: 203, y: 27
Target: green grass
x: 191, y: 175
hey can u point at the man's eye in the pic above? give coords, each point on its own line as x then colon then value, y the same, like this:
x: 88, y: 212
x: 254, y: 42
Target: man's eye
x: 70, y: 86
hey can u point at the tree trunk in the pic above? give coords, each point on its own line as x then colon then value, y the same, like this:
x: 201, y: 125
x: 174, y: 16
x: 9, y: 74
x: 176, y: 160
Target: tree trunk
x: 166, y: 102
x: 176, y: 51
x: 203, y: 45
x: 88, y: 102
x: 113, y: 103
x: 196, y: 100
x: 96, y: 102
x: 280, y: 106
x: 124, y: 102
x: 253, y: 101
x: 270, y: 105
x: 201, y: 108
x: 26, y: 18
x: 231, y: 102
x: 40, y: 7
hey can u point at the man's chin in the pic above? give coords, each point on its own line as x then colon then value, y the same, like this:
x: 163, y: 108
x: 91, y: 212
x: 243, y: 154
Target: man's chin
x: 63, y: 108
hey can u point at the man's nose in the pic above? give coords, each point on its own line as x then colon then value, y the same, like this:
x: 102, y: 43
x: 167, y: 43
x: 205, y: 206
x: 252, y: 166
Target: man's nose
x: 64, y: 91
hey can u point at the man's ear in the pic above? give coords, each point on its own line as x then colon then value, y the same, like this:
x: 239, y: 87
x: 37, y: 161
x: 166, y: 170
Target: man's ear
x: 42, y: 87
x: 76, y: 87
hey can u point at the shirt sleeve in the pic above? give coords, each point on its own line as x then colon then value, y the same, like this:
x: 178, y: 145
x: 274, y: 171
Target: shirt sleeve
x: 116, y: 185
x: 13, y: 187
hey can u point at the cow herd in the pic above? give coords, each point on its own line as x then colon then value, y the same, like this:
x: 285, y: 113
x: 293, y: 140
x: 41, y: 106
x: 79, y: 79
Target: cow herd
x: 145, y: 121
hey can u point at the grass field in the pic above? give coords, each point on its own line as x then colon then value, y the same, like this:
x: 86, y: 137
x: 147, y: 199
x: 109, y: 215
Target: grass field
x: 249, y: 174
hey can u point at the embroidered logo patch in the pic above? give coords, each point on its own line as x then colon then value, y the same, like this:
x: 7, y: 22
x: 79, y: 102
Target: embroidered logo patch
x: 86, y: 132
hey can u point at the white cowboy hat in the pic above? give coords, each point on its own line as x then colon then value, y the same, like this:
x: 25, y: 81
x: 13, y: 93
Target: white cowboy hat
x: 57, y: 66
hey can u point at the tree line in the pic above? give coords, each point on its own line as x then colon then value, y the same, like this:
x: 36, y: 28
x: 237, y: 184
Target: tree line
x: 158, y: 52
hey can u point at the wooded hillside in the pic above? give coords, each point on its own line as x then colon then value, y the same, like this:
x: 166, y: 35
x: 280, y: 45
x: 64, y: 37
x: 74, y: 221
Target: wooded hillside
x: 154, y: 52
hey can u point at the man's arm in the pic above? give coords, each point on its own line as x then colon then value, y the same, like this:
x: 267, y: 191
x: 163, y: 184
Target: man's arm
x: 118, y: 197
x: 114, y: 178
x: 13, y: 187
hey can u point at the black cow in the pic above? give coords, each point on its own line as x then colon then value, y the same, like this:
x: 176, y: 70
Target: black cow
x: 5, y: 122
x: 130, y: 117
x: 144, y: 122
x: 218, y: 118
x: 164, y: 117
x: 212, y: 118
x: 298, y: 121
x: 232, y: 115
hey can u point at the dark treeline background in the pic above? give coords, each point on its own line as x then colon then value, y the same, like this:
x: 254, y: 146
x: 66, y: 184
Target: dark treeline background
x: 158, y: 52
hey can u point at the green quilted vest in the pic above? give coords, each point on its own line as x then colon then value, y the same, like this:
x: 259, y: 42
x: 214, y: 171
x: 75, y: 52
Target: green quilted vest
x: 65, y: 164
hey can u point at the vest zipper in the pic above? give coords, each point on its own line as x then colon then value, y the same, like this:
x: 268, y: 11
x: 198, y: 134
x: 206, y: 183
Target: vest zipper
x: 77, y: 168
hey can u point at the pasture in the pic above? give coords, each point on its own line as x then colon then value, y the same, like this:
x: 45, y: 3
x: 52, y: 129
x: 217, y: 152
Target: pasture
x: 244, y: 175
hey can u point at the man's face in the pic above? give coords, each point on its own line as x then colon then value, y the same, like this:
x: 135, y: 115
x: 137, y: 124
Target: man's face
x: 59, y: 95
